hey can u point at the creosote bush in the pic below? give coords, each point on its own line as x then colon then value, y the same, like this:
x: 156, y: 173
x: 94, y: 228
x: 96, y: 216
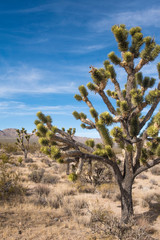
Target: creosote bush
x: 36, y: 175
x: 10, y: 181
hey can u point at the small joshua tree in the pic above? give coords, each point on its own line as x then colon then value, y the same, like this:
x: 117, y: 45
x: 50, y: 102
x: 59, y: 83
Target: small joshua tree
x: 131, y: 106
x: 23, y: 140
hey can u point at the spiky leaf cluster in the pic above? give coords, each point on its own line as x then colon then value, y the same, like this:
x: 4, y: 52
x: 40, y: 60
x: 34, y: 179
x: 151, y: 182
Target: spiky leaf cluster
x: 134, y: 126
x: 91, y: 86
x: 107, y: 151
x: 137, y: 40
x: 106, y: 118
x: 112, y: 94
x: 158, y: 69
x: 93, y: 112
x: 100, y: 78
x: 90, y: 143
x: 151, y: 49
x: 114, y: 59
x: 145, y: 82
x: 121, y: 35
x: 116, y: 132
x: 128, y: 57
x: 152, y: 96
x: 83, y: 91
x: 136, y: 97
x: 124, y: 108
x: 152, y: 131
x: 144, y: 156
x: 71, y: 131
x: 42, y: 117
x: 78, y: 97
x: 104, y: 134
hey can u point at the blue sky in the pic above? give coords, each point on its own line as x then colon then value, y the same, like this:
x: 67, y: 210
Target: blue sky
x: 46, y: 48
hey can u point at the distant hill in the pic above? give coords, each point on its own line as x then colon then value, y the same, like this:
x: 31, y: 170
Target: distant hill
x: 10, y: 135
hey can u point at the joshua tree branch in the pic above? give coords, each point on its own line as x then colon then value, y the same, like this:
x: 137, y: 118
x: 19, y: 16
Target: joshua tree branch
x: 148, y: 165
x: 107, y: 102
x: 141, y: 63
x: 149, y: 114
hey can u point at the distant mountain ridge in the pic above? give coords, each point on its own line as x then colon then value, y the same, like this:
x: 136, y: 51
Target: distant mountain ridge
x: 10, y: 134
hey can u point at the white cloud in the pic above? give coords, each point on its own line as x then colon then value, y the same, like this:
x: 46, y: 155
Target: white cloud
x: 24, y: 79
x: 146, y: 18
x: 20, y: 109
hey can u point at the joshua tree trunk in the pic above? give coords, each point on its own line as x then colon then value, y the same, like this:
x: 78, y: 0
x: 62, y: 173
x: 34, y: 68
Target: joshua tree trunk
x: 25, y: 154
x: 126, y: 201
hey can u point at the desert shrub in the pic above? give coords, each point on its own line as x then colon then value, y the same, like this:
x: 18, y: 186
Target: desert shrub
x: 10, y: 148
x: 99, y: 175
x: 49, y: 178
x: 41, y: 201
x: 151, y: 199
x: 33, y: 166
x: 4, y: 158
x: 36, y: 175
x: 46, y: 161
x: 10, y: 182
x: 142, y: 176
x: 106, y: 225
x: 73, y: 177
x: 153, y: 182
x: 79, y: 205
x: 42, y: 190
x: 34, y: 147
x: 108, y: 190
x: 29, y: 160
x: 20, y: 160
x: 84, y: 188
x: 155, y: 170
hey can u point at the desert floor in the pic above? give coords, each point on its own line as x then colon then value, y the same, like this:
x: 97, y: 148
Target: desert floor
x: 52, y: 207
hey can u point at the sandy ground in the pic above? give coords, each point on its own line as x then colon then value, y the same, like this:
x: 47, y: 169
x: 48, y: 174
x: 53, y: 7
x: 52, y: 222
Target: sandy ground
x: 25, y: 219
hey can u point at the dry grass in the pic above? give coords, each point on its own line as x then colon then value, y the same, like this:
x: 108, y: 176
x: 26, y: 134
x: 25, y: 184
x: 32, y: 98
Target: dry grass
x: 54, y: 208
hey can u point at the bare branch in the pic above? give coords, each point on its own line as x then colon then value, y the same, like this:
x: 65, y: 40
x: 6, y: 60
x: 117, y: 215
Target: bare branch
x: 149, y: 114
x: 148, y: 165
x: 141, y: 63
x: 107, y: 102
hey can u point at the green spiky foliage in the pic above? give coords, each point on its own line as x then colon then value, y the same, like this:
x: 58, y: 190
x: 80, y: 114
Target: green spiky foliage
x: 106, y: 118
x: 114, y: 59
x: 121, y: 35
x: 93, y: 112
x: 134, y: 126
x: 124, y: 108
x: 90, y: 143
x: 158, y: 68
x: 83, y: 91
x: 104, y: 134
x: 152, y: 96
x: 128, y: 57
x: 23, y: 140
x: 137, y: 40
x: 126, y: 120
x: 78, y: 97
x: 91, y: 86
x: 145, y: 82
x: 137, y: 97
x: 105, y: 152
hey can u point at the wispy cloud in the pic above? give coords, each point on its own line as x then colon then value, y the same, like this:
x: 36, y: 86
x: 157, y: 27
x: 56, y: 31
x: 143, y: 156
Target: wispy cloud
x: 146, y: 18
x: 22, y: 109
x: 24, y: 79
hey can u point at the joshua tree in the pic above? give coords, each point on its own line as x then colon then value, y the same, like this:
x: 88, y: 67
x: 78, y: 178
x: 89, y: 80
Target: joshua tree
x: 23, y: 140
x: 131, y: 106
